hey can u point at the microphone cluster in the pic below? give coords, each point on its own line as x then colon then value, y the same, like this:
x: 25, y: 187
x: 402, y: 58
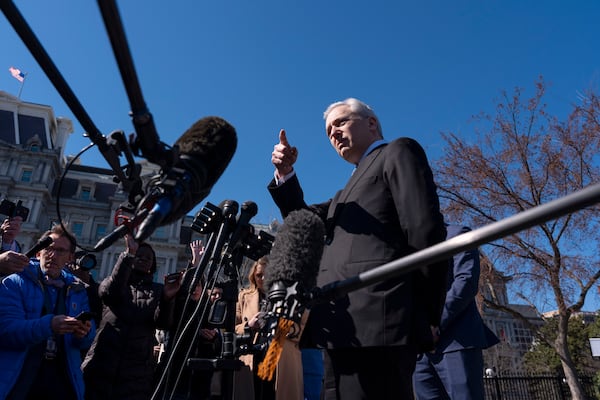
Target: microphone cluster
x: 188, y: 172
x: 242, y: 238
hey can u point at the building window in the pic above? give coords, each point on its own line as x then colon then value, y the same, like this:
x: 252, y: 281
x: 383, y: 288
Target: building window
x: 77, y: 229
x: 100, y: 230
x: 85, y: 193
x: 26, y: 175
x: 159, y: 233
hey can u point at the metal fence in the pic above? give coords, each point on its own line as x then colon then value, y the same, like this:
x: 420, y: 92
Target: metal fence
x: 521, y: 387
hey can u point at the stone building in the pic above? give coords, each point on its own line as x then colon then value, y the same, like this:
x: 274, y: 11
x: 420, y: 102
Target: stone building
x: 32, y: 164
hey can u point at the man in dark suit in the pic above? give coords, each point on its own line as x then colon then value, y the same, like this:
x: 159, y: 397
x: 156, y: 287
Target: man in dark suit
x: 455, y: 370
x: 388, y: 209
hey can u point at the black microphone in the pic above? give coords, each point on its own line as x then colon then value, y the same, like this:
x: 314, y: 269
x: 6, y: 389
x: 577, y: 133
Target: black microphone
x: 112, y: 237
x: 294, y: 263
x: 243, y: 227
x: 205, y: 150
x: 40, y: 245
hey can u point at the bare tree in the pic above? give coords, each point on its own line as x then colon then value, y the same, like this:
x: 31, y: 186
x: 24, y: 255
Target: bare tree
x: 521, y: 157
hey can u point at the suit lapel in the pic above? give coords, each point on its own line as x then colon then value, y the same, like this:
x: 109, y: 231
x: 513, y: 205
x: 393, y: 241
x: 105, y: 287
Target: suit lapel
x: 339, y: 199
x: 362, y: 168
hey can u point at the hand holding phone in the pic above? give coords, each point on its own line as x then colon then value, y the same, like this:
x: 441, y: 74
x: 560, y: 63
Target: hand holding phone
x: 85, y: 316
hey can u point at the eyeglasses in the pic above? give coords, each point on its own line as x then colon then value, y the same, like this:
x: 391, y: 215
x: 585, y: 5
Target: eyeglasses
x: 342, y: 121
x: 59, y: 251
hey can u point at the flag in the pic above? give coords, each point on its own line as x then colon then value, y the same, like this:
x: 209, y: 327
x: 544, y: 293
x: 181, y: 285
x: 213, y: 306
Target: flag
x: 17, y: 74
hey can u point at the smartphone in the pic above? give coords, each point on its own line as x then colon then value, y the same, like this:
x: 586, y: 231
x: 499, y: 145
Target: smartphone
x: 86, y: 316
x: 172, y: 278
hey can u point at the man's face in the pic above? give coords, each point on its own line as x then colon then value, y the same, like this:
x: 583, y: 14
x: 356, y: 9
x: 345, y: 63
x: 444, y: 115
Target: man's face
x: 350, y: 134
x: 54, y: 257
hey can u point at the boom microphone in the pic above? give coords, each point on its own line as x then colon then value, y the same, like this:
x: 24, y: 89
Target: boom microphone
x: 112, y: 237
x: 294, y: 263
x: 40, y: 245
x: 205, y: 150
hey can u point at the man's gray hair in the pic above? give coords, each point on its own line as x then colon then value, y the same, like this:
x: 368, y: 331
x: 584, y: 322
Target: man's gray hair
x: 356, y: 107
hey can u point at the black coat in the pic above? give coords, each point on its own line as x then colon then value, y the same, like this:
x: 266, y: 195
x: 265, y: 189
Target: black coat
x: 388, y: 209
x: 120, y: 363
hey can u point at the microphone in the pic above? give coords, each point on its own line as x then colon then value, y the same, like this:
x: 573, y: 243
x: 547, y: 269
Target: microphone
x: 112, y: 237
x: 204, y: 150
x: 294, y: 263
x: 243, y: 227
x: 292, y: 272
x: 40, y: 245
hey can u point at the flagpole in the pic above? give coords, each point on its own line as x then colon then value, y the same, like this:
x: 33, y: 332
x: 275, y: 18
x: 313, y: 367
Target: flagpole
x: 22, y: 84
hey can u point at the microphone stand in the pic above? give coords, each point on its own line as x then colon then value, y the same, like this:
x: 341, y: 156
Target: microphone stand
x: 129, y: 178
x: 147, y: 141
x: 466, y: 241
x: 208, y: 218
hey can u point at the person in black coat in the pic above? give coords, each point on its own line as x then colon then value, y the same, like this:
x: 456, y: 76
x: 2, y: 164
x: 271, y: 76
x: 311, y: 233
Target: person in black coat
x: 388, y: 209
x: 120, y: 362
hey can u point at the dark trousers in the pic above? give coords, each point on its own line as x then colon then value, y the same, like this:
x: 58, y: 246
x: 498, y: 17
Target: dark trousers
x: 369, y: 373
x: 456, y: 375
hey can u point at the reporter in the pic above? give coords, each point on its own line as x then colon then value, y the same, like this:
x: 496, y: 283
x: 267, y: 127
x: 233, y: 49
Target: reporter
x: 40, y: 340
x: 288, y: 384
x: 120, y: 364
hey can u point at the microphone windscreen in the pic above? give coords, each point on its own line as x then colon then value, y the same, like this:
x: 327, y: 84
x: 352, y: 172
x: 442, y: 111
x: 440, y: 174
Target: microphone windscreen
x: 296, y: 251
x: 205, y: 149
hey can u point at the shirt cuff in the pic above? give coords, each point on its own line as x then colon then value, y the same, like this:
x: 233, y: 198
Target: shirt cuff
x: 281, y: 181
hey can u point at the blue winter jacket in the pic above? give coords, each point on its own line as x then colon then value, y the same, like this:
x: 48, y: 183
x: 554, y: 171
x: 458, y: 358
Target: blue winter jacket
x: 23, y: 325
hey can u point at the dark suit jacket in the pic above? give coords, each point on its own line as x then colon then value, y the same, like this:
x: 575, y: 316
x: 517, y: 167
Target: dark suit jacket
x: 388, y: 209
x: 462, y: 326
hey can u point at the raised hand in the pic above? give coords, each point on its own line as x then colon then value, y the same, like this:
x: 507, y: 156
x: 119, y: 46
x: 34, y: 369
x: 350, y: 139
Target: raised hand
x: 284, y: 156
x: 197, y: 250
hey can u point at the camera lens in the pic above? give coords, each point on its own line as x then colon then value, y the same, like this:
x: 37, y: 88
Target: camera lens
x: 86, y: 261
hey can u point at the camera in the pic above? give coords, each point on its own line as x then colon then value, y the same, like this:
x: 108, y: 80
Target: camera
x: 11, y: 209
x: 85, y: 260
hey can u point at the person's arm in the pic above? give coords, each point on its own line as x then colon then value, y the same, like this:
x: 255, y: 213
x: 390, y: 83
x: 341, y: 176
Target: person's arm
x: 240, y: 324
x: 12, y: 262
x: 114, y: 289
x: 465, y: 281
x: 17, y: 331
x: 409, y: 177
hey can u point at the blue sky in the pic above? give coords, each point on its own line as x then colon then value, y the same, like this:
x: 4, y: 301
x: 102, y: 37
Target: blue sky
x: 425, y: 67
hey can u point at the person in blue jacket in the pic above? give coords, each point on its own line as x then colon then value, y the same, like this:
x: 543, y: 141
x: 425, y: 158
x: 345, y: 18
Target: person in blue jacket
x: 455, y: 369
x: 40, y: 338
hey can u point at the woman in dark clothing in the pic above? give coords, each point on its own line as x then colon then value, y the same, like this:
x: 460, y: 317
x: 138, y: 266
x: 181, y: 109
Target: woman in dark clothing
x: 120, y: 363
